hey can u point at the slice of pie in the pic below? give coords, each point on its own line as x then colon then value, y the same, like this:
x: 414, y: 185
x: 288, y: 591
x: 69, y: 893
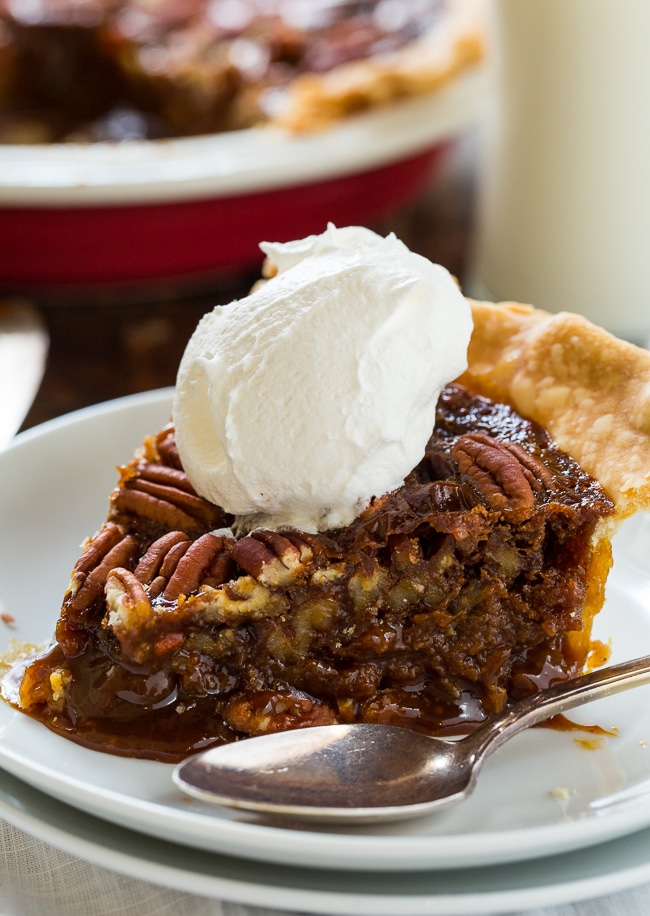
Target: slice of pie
x: 472, y: 585
x: 122, y: 69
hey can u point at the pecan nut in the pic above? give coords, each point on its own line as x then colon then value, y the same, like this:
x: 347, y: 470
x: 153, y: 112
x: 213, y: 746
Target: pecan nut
x: 94, y: 549
x: 107, y: 549
x: 272, y: 558
x: 160, y: 561
x: 164, y: 495
x: 162, y: 447
x: 507, y: 476
x: 129, y: 610
x: 206, y: 562
x: 141, y: 629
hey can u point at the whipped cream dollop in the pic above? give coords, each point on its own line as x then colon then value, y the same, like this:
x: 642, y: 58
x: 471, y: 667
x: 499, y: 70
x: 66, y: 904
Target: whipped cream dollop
x: 298, y: 404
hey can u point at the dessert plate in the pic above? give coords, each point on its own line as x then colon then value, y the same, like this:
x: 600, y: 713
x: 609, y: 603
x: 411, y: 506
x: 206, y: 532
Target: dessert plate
x: 612, y: 867
x: 544, y: 793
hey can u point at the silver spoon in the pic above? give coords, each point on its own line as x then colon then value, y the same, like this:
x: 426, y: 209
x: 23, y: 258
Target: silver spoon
x: 365, y: 773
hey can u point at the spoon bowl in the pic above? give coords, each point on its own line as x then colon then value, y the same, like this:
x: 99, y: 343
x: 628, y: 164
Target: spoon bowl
x: 334, y: 773
x: 365, y: 772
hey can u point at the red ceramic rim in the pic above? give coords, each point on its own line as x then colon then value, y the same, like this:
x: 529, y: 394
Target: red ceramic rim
x: 85, y: 246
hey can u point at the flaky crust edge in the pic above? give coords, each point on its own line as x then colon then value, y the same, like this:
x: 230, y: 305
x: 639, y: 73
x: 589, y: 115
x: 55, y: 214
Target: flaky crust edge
x: 588, y: 388
x: 455, y: 42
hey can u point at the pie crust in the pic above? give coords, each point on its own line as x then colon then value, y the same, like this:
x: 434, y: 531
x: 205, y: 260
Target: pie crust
x: 590, y: 389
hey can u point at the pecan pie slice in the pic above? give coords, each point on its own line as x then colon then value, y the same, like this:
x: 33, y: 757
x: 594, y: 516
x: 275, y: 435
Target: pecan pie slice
x: 119, y: 69
x: 473, y: 584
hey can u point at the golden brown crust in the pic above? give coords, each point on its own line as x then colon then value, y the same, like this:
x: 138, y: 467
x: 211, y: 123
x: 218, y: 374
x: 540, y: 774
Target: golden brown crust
x: 587, y: 387
x: 455, y: 42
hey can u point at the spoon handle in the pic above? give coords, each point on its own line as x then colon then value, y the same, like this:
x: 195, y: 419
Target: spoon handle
x: 557, y: 699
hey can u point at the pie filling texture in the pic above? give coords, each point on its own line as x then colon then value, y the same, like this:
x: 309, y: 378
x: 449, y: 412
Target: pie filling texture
x: 96, y: 70
x: 470, y: 586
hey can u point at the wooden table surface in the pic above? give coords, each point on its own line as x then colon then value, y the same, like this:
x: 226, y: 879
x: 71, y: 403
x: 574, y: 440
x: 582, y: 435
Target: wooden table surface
x: 101, y: 350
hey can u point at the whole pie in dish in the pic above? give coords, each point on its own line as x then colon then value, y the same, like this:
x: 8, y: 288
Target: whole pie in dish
x: 123, y: 69
x: 471, y: 585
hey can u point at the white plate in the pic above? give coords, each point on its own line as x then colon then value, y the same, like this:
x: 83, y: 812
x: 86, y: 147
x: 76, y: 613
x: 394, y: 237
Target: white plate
x: 586, y: 874
x: 54, y: 483
x: 235, y: 162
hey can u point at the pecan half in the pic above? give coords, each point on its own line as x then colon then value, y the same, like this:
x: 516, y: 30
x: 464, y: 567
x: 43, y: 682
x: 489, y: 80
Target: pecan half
x: 94, y: 549
x: 206, y: 561
x: 165, y: 443
x: 108, y: 549
x: 505, y: 474
x: 272, y: 558
x: 160, y: 561
x: 161, y: 448
x: 142, y: 629
x: 129, y: 608
x: 165, y: 496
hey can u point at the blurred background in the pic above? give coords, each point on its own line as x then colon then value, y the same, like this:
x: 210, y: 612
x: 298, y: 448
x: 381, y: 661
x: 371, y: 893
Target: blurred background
x: 148, y: 147
x: 134, y: 188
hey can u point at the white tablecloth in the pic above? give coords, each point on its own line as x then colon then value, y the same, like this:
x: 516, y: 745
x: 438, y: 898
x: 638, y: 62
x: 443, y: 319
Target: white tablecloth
x: 39, y: 880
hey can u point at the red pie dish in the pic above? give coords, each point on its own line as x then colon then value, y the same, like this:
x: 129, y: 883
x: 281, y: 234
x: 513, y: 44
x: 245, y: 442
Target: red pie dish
x: 83, y: 216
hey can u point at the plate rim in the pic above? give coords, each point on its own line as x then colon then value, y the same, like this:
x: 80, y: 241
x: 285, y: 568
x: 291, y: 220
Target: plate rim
x: 327, y: 899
